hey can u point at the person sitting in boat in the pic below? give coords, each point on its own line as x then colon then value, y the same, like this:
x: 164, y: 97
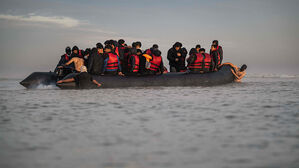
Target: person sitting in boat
x: 121, y: 49
x: 64, y: 58
x: 133, y: 62
x: 96, y: 60
x: 77, y: 61
x: 156, y: 64
x: 217, y: 54
x: 200, y: 62
x: 75, y: 52
x: 83, y: 80
x: 150, y: 50
x: 176, y: 56
x: 86, y: 55
x: 239, y: 73
x: 111, y: 63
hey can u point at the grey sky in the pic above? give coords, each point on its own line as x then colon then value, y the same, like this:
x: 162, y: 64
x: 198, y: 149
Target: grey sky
x: 260, y: 33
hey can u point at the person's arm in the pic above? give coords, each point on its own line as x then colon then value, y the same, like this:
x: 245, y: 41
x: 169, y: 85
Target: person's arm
x: 105, y: 64
x: 132, y: 61
x: 221, y: 54
x: 70, y: 61
x: 212, y: 65
x: 161, y: 67
x: 66, y: 80
x: 191, y: 59
x: 119, y: 66
x: 90, y: 62
x: 97, y: 83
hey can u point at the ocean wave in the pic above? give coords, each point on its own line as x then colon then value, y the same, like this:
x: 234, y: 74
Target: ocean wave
x: 271, y: 76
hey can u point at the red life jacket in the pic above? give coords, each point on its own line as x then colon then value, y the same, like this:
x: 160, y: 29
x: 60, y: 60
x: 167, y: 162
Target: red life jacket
x: 155, y: 63
x: 112, y: 63
x: 218, y: 56
x: 136, y: 66
x: 116, y: 51
x: 203, y: 62
x: 80, y: 53
x: 66, y: 57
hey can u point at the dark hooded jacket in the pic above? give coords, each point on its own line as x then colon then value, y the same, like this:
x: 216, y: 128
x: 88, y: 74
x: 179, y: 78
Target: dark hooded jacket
x: 172, y: 55
x: 63, y: 60
x: 95, y: 62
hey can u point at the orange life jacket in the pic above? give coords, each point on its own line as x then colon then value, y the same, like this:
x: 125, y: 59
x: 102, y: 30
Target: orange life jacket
x: 203, y: 62
x: 112, y: 63
x: 136, y: 66
x: 155, y: 63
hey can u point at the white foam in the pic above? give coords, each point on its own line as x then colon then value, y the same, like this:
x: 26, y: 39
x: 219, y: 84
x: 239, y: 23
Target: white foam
x: 46, y: 87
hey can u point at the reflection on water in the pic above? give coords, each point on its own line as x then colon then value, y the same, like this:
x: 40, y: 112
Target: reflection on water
x: 252, y: 124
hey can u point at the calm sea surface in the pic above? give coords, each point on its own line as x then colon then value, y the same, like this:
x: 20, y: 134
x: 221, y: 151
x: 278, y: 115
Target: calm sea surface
x: 251, y: 124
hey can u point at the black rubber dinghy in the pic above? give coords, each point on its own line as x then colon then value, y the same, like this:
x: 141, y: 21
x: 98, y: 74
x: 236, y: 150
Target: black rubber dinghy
x: 223, y: 76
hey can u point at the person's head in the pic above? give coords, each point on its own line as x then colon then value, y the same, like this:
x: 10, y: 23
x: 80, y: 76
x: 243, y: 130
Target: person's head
x: 202, y: 50
x: 112, y: 44
x: 157, y: 53
x: 134, y: 44
x: 197, y: 47
x: 68, y: 50
x: 243, y: 67
x: 215, y: 43
x: 108, y: 49
x: 121, y: 42
x: 192, y: 51
x: 83, y: 69
x: 107, y: 42
x: 139, y: 52
x: 138, y: 44
x: 155, y: 46
x: 177, y: 46
x: 93, y: 50
x: 100, y: 47
x: 75, y: 50
x: 87, y: 51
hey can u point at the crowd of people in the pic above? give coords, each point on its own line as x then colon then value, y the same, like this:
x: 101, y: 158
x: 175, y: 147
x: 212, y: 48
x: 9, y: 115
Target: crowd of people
x: 117, y: 58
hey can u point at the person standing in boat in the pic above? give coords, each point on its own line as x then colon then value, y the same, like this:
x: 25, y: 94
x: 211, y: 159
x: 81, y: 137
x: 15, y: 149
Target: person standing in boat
x: 64, y: 58
x: 96, y: 60
x: 217, y: 54
x: 111, y: 62
x: 83, y: 80
x: 200, y: 62
x: 156, y: 64
x: 174, y: 56
x: 182, y: 60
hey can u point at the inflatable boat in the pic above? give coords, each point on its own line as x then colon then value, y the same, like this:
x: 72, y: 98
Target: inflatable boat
x: 223, y: 76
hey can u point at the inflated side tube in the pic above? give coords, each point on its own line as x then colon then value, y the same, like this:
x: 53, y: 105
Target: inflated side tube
x: 39, y: 78
x: 223, y: 76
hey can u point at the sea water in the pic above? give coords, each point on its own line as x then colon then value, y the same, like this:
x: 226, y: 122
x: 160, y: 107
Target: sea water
x: 249, y: 124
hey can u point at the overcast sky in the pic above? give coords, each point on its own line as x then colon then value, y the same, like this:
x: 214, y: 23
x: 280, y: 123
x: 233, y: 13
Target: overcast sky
x: 260, y: 33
